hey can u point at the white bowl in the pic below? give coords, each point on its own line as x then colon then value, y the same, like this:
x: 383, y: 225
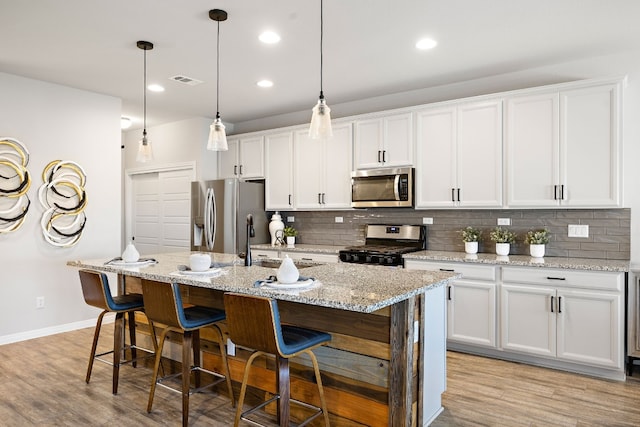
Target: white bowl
x: 199, y: 262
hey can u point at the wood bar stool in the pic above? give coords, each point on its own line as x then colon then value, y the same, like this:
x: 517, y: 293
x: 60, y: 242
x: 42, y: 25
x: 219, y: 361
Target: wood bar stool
x: 163, y: 304
x: 96, y: 292
x: 254, y: 323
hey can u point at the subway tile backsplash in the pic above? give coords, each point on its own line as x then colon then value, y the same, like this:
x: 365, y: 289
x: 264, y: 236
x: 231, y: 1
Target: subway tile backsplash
x: 609, y: 229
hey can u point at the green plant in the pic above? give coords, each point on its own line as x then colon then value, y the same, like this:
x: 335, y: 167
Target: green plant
x: 470, y: 234
x: 537, y: 237
x: 290, y: 232
x: 502, y: 235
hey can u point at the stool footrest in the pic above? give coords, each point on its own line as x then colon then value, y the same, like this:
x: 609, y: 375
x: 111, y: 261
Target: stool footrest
x: 219, y: 378
x: 316, y: 414
x: 150, y: 353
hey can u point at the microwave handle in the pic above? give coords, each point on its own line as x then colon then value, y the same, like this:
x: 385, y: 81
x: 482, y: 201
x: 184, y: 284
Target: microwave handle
x: 396, y: 185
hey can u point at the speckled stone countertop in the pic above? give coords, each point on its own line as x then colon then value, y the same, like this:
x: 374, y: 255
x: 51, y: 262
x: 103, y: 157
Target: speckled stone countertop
x: 319, y: 249
x: 523, y: 260
x: 352, y: 287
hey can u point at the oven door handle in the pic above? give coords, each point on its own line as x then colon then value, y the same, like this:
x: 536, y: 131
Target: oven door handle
x: 396, y: 186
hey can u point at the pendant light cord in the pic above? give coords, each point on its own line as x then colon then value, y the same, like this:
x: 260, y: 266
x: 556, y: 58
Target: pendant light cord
x: 321, y: 37
x: 144, y: 97
x: 218, y: 74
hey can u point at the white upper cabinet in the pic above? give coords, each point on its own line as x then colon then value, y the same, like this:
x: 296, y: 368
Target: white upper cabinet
x: 384, y: 142
x: 322, y: 170
x: 279, y: 171
x: 244, y: 159
x: 563, y: 148
x: 459, y: 156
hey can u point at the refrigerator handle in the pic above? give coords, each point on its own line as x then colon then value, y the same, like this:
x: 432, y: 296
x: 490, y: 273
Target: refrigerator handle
x: 210, y: 218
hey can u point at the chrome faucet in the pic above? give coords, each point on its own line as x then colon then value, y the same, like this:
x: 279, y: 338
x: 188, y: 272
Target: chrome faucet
x: 251, y: 232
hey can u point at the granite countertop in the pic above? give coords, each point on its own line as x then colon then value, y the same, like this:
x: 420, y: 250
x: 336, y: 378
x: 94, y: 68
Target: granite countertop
x: 319, y: 249
x: 352, y: 287
x: 523, y: 260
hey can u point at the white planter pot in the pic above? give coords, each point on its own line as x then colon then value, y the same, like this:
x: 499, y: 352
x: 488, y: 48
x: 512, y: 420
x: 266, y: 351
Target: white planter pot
x: 291, y: 241
x: 536, y: 251
x: 502, y: 249
x: 471, y: 247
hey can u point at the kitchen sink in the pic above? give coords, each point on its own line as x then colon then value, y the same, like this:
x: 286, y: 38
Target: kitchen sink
x: 275, y: 263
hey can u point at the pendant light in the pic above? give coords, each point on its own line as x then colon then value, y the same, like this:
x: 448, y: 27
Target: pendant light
x: 320, y: 127
x: 145, y: 153
x: 217, y: 136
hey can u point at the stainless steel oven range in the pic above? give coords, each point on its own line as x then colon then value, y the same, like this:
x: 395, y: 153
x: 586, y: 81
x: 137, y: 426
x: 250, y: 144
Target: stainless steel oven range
x: 385, y: 244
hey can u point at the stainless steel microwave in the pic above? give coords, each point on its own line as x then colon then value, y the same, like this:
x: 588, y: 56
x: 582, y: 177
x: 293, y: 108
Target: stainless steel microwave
x: 382, y: 188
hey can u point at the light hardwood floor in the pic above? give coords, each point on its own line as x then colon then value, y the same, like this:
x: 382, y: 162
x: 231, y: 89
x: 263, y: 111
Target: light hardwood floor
x: 42, y: 383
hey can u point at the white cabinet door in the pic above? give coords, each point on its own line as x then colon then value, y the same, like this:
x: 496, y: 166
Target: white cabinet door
x: 471, y: 316
x: 528, y: 319
x: 337, y: 168
x: 435, y: 147
x: 479, y: 155
x: 384, y: 141
x: 590, y: 327
x: 533, y: 148
x: 589, y: 141
x: 251, y: 158
x: 308, y: 165
x: 228, y: 160
x: 279, y: 171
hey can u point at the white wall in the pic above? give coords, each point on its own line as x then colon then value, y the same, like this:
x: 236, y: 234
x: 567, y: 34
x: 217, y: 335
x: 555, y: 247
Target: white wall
x: 57, y: 122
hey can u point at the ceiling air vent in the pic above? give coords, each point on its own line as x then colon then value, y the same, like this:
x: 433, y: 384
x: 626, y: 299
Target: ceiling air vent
x: 186, y: 80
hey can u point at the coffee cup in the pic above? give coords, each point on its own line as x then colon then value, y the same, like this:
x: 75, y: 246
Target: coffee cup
x: 199, y: 262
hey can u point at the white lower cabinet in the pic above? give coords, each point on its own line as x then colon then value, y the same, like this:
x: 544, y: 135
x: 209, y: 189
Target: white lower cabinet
x: 572, y: 316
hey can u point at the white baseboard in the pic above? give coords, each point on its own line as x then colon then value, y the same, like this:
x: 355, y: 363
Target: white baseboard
x: 52, y: 330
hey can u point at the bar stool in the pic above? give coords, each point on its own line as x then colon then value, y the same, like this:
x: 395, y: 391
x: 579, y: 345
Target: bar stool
x: 163, y: 304
x: 96, y: 292
x: 254, y: 322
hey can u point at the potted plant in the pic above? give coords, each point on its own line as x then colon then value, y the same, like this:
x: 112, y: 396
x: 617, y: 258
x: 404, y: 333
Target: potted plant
x: 537, y: 239
x: 503, y: 239
x: 290, y: 234
x: 471, y: 237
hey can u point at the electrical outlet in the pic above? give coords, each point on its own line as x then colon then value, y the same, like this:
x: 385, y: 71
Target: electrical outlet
x: 231, y: 347
x: 504, y: 221
x: 39, y: 302
x: 291, y: 219
x: 339, y: 219
x: 578, y: 230
x: 416, y: 331
x: 427, y: 221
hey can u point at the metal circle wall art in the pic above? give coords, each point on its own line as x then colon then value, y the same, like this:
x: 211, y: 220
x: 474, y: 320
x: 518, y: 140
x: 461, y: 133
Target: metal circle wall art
x: 14, y: 184
x: 64, y: 199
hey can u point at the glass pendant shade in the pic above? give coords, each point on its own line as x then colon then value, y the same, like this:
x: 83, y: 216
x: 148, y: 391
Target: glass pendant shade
x: 320, y: 127
x: 145, y: 153
x: 217, y: 136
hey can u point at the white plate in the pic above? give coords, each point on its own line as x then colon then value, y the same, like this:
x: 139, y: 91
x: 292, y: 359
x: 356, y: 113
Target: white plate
x: 296, y: 285
x: 200, y: 273
x: 131, y: 264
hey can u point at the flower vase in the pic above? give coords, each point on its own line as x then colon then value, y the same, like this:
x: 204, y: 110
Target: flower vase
x: 471, y: 247
x: 291, y: 241
x: 536, y: 251
x: 502, y: 249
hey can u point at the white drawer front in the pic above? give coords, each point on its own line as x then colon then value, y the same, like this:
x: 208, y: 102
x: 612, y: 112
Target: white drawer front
x: 263, y: 253
x: 559, y: 277
x: 468, y: 271
x: 311, y: 256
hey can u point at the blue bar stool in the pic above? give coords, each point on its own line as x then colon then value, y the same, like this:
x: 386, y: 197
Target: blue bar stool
x: 163, y: 304
x: 254, y: 323
x: 96, y: 292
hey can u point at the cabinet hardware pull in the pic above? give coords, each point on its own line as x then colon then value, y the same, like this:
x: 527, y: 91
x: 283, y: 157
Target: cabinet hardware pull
x: 319, y: 201
x: 448, y: 270
x: 458, y: 194
x: 552, y: 304
x: 240, y: 169
x: 555, y: 278
x: 384, y: 156
x: 453, y: 194
x: 323, y: 199
x: 289, y: 199
x: 262, y: 255
x: 235, y: 169
x: 449, y: 293
x: 307, y: 259
x: 555, y: 192
x: 559, y: 304
x: 562, y: 192
x: 379, y: 157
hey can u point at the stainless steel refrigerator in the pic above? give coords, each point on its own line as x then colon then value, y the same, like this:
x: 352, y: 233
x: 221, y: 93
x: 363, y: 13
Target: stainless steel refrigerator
x: 219, y: 210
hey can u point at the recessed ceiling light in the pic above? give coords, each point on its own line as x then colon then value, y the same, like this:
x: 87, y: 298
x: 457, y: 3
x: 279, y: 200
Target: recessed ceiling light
x: 425, y: 44
x: 155, y: 88
x: 269, y: 37
x: 265, y: 83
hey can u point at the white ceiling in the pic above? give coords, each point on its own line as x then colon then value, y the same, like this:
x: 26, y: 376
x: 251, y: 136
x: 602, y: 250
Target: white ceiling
x: 368, y: 47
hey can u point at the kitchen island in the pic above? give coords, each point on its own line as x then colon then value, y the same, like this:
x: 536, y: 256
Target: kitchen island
x: 386, y: 362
